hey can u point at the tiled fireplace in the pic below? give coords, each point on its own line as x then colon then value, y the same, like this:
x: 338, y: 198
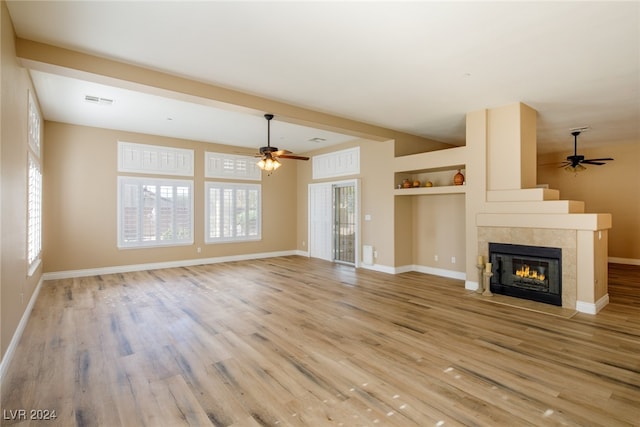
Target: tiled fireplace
x: 564, y: 241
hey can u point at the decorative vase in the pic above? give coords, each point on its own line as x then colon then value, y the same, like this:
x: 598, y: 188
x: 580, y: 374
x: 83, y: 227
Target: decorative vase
x: 406, y: 183
x: 458, y: 179
x: 416, y: 183
x: 428, y: 184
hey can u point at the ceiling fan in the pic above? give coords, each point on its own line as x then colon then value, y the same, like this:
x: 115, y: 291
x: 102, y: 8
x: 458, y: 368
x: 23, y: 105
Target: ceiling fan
x: 269, y: 155
x: 575, y: 163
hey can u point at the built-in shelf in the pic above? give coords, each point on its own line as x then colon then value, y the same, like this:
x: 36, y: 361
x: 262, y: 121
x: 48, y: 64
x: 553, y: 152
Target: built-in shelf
x: 437, y: 167
x: 445, y: 189
x: 440, y: 178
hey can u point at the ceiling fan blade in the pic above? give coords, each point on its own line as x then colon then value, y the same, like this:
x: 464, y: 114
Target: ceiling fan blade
x: 598, y: 160
x: 287, y: 156
x: 280, y: 152
x: 592, y: 162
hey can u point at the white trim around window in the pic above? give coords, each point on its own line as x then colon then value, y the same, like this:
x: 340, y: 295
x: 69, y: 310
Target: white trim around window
x: 154, y: 212
x: 233, y: 212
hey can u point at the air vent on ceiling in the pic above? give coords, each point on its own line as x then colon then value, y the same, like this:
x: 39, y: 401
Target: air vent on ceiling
x: 317, y: 139
x: 98, y: 100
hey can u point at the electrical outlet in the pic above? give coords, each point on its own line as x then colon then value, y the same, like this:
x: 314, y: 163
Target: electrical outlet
x: 453, y: 260
x: 199, y: 249
x: 375, y: 254
x: 435, y: 257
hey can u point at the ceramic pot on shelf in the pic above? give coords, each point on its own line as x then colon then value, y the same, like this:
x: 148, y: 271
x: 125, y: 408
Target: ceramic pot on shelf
x: 406, y: 183
x: 458, y: 179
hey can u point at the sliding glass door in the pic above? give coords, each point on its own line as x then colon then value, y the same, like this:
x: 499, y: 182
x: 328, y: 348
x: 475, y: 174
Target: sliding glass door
x: 333, y: 221
x: 344, y: 223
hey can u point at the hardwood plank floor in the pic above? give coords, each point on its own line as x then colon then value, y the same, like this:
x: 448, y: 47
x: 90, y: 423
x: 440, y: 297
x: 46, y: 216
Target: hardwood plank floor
x: 303, y: 342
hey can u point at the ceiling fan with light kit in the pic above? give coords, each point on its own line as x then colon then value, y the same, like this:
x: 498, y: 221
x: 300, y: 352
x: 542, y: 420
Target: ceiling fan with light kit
x: 576, y: 162
x: 269, y: 155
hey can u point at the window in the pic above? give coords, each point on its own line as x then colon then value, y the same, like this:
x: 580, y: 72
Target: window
x: 337, y: 163
x: 34, y: 214
x: 154, y: 212
x: 154, y: 159
x: 231, y: 166
x: 34, y: 188
x: 232, y: 212
x: 34, y: 126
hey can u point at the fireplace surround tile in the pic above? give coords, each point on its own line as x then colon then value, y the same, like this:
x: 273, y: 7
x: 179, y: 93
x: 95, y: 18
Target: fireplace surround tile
x: 557, y: 238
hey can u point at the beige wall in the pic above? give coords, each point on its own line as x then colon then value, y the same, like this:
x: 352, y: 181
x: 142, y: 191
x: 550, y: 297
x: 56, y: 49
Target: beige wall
x: 613, y: 188
x: 80, y: 175
x: 511, y: 152
x: 439, y: 229
x: 16, y: 288
x: 377, y: 200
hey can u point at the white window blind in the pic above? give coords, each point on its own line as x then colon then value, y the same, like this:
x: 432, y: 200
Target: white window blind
x: 232, y: 212
x: 232, y: 166
x: 154, y: 212
x: 154, y: 159
x: 34, y: 214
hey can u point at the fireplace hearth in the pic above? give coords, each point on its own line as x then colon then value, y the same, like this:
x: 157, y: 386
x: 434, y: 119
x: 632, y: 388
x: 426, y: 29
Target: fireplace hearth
x: 529, y: 272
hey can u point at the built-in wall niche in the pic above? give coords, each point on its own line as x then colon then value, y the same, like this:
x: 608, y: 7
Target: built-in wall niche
x: 441, y: 179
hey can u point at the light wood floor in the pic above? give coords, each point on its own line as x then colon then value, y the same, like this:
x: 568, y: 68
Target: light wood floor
x: 293, y: 341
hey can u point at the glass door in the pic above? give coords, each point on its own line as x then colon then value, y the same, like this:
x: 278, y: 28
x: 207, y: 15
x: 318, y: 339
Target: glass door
x: 344, y: 223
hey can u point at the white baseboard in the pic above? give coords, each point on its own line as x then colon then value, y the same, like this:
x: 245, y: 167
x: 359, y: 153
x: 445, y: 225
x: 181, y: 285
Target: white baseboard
x: 159, y: 265
x: 402, y: 269
x: 418, y: 268
x: 591, y: 308
x: 460, y: 275
x: 379, y: 267
x: 8, y: 355
x: 630, y: 261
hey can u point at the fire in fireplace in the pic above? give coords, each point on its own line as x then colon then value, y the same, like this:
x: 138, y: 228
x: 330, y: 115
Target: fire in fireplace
x: 530, y: 272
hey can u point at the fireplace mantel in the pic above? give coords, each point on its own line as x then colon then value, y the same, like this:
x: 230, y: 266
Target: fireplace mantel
x: 562, y: 221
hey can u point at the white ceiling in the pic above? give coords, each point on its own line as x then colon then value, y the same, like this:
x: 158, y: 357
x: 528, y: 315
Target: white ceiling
x: 417, y: 67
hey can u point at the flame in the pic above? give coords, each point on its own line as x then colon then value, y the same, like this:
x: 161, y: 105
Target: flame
x: 526, y: 272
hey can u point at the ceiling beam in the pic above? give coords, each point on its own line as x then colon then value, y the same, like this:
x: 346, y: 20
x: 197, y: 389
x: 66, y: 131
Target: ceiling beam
x: 70, y: 63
